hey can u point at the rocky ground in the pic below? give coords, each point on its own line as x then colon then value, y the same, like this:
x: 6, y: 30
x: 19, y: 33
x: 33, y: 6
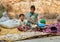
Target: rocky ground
x: 48, y: 39
x: 42, y: 6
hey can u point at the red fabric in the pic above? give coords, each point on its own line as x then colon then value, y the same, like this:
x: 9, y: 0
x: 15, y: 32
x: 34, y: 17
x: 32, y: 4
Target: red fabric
x: 22, y: 29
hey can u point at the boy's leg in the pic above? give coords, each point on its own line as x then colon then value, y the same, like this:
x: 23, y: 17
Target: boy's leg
x: 26, y: 28
x: 20, y: 28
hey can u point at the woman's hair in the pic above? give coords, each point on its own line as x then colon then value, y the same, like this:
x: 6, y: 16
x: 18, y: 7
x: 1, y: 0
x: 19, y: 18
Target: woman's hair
x: 58, y: 18
x: 32, y: 7
x: 21, y: 15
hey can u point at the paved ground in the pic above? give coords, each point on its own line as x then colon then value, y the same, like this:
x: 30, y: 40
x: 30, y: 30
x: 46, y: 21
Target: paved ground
x: 48, y: 39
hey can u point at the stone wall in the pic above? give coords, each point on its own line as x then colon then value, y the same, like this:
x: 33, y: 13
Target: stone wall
x: 42, y: 6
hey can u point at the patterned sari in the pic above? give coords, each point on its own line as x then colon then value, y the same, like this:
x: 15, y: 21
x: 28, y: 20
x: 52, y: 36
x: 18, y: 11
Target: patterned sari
x: 57, y: 31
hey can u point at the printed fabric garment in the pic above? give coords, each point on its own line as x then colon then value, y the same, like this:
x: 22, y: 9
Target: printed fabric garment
x: 48, y: 29
x: 32, y: 16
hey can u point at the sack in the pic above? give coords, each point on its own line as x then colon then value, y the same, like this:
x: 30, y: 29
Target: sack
x: 10, y: 23
x: 4, y: 17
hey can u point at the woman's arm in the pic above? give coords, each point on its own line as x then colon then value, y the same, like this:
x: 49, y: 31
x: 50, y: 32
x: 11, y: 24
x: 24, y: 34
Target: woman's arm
x: 30, y: 20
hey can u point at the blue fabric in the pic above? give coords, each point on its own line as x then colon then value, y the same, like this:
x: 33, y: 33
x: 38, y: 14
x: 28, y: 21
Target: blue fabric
x: 41, y: 25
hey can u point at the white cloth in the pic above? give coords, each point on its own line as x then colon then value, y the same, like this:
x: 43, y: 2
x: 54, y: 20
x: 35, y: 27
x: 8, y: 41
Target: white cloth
x: 10, y: 23
x: 4, y: 17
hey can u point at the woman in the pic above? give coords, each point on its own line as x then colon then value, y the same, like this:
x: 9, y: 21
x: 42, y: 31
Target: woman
x: 32, y: 17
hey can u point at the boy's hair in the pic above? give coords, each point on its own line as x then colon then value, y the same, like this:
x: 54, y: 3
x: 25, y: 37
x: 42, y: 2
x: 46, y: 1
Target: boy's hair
x: 32, y: 7
x: 21, y: 15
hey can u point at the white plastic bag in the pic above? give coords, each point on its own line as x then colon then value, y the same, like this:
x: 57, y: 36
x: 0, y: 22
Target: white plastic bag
x: 4, y: 17
x: 10, y: 23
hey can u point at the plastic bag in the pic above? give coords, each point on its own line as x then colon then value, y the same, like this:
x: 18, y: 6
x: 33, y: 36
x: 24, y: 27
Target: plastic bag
x: 4, y: 17
x: 10, y: 23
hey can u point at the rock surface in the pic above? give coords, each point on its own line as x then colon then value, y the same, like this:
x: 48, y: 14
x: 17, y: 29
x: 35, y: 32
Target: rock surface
x: 21, y: 36
x: 48, y: 39
x: 42, y: 6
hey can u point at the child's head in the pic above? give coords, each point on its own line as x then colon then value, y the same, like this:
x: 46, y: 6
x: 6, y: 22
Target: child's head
x: 32, y: 8
x: 21, y: 16
x: 43, y: 21
x: 58, y: 19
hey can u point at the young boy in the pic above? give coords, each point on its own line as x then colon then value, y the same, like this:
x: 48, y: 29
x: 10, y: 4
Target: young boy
x: 32, y: 17
x: 23, y: 22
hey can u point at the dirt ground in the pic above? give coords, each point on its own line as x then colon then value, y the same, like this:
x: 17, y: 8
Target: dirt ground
x: 48, y: 39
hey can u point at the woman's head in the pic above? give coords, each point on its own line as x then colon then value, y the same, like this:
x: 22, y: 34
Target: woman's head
x: 32, y: 8
x: 21, y: 16
x: 58, y: 19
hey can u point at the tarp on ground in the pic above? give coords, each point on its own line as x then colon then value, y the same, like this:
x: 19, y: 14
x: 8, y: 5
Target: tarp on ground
x: 14, y: 34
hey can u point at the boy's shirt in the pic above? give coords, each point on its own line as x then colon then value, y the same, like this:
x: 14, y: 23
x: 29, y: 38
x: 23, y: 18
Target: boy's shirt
x: 23, y: 23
